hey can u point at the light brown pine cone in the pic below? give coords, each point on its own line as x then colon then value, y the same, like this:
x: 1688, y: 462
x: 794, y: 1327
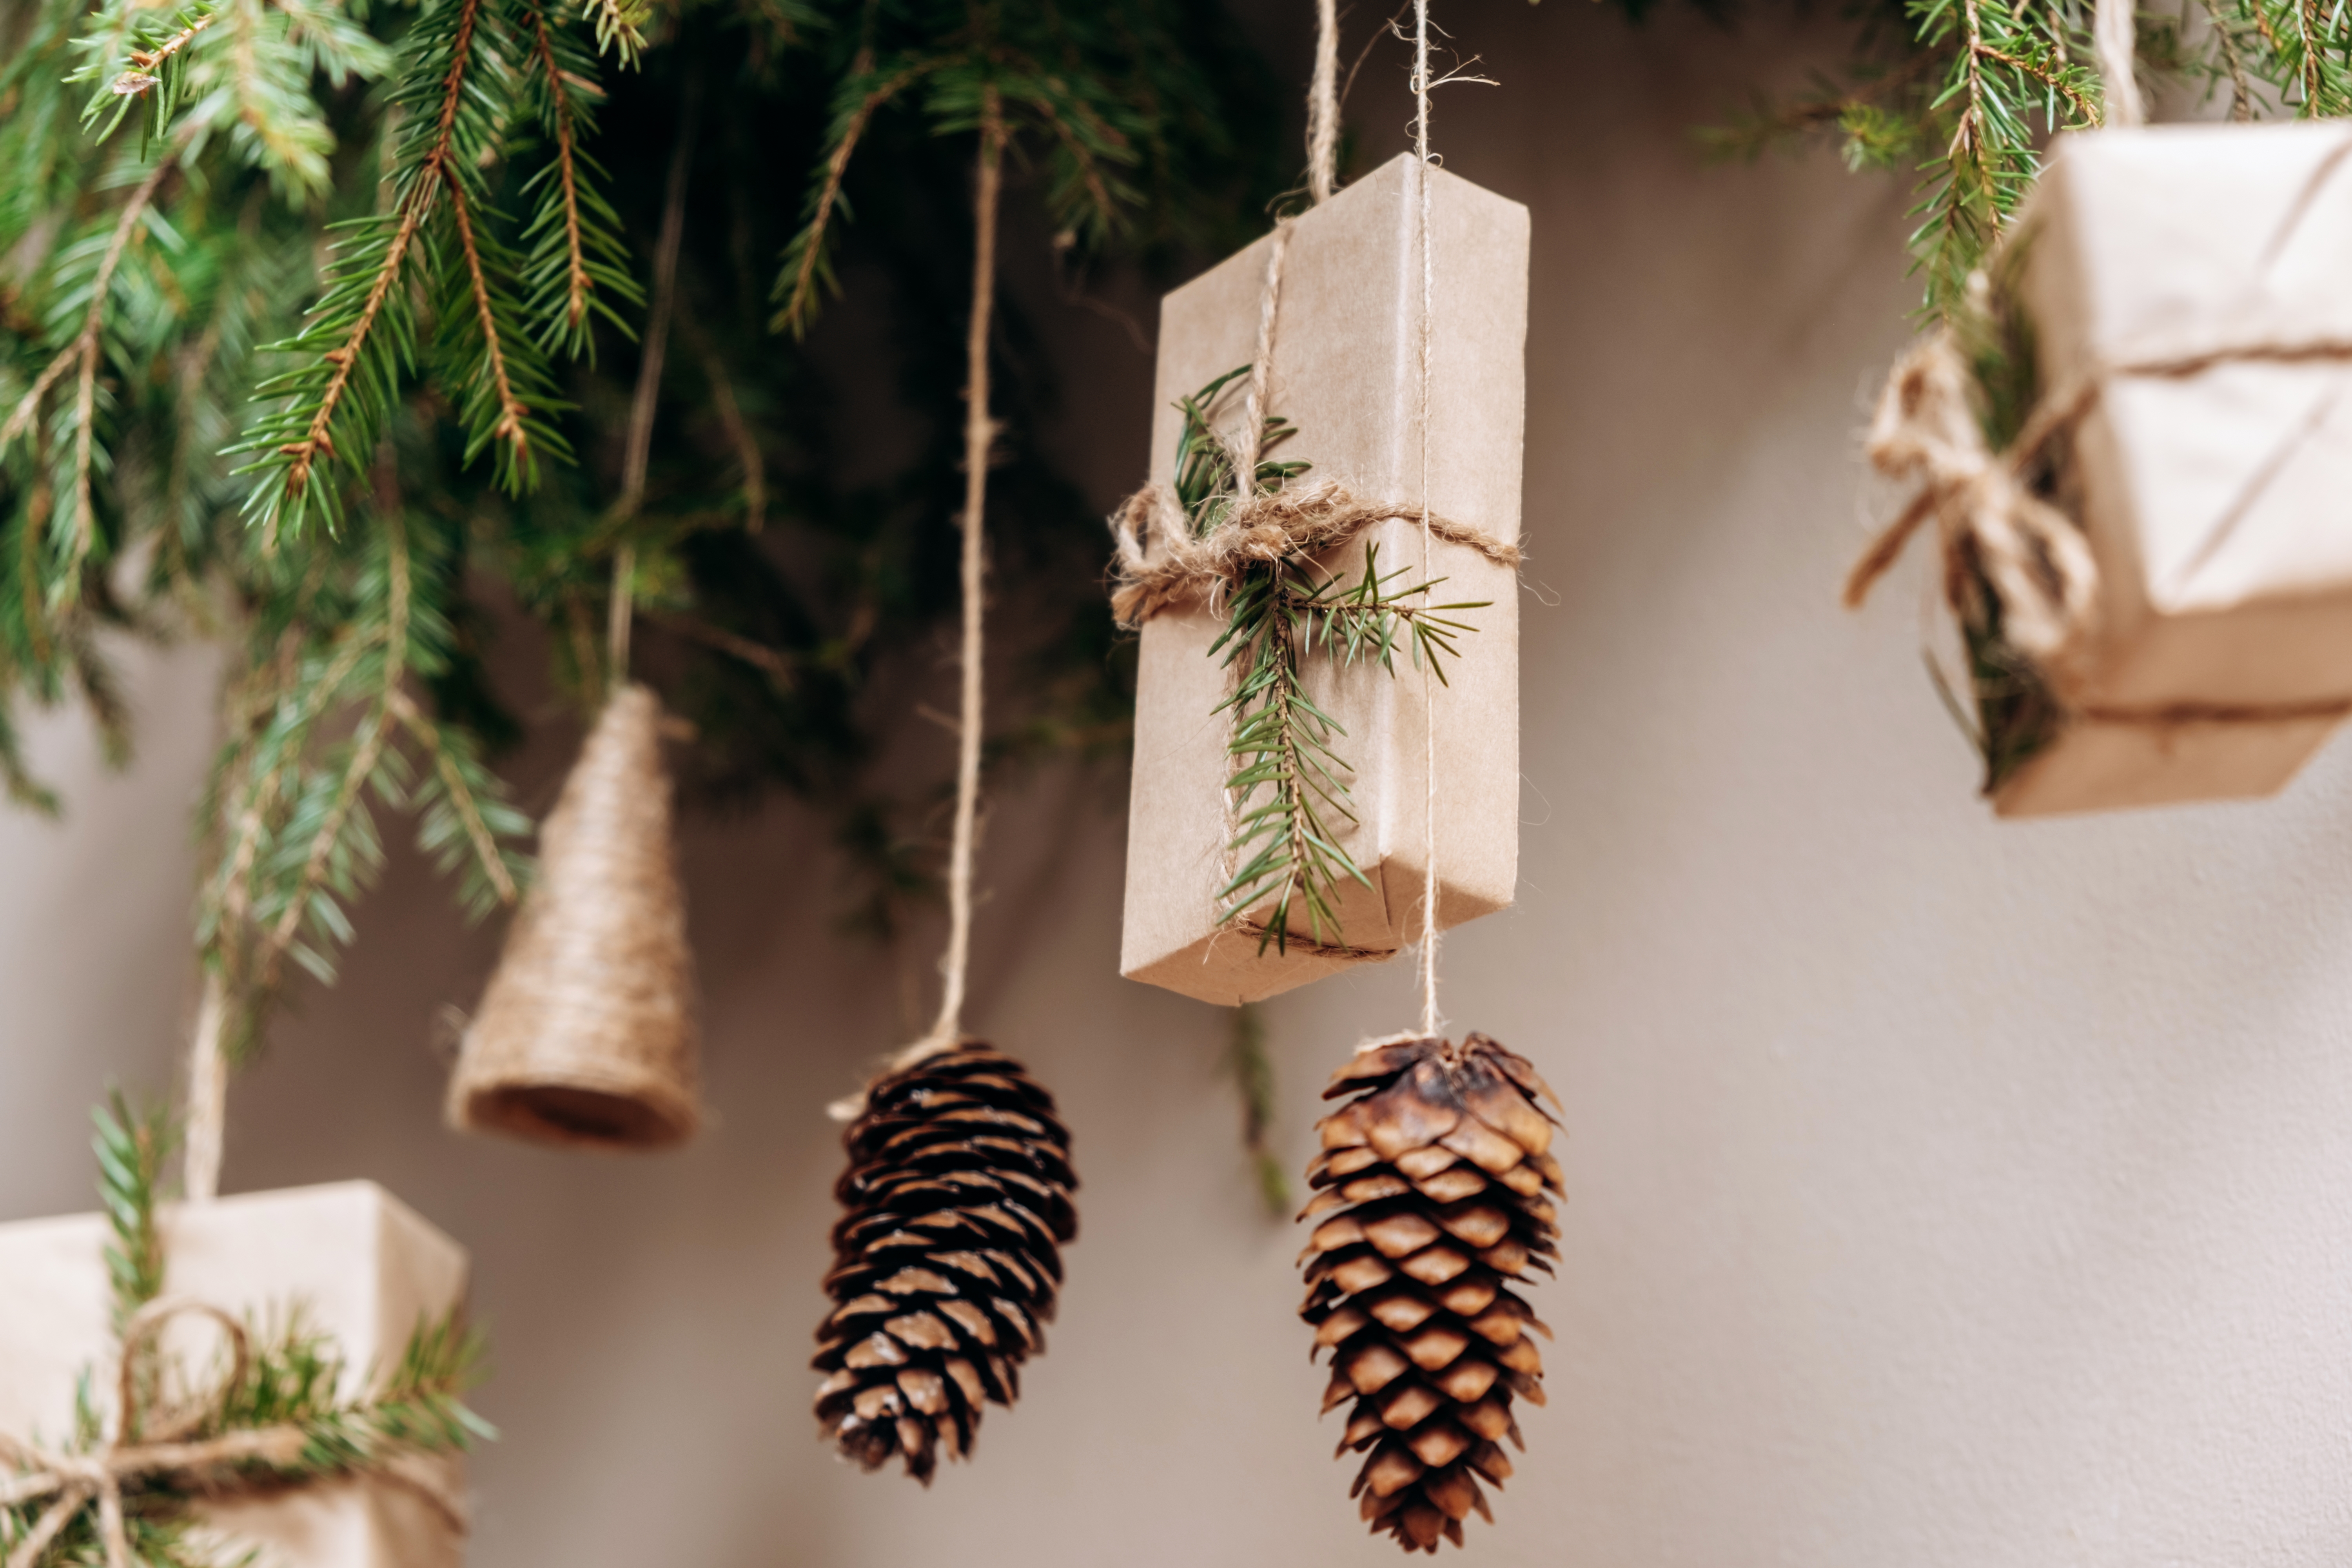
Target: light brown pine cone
x: 1434, y: 1182
x: 947, y: 1263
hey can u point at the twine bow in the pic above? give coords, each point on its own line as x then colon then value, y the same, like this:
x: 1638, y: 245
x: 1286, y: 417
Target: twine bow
x: 1267, y: 526
x: 1926, y: 432
x: 143, y: 1449
x: 139, y: 1450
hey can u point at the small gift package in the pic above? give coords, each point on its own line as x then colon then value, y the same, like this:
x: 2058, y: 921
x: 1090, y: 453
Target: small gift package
x: 359, y: 1267
x: 1345, y: 391
x: 2138, y: 451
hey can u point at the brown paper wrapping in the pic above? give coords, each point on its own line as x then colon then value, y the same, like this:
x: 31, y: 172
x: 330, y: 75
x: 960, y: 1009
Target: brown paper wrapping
x: 363, y: 1267
x: 1345, y: 371
x: 2215, y: 503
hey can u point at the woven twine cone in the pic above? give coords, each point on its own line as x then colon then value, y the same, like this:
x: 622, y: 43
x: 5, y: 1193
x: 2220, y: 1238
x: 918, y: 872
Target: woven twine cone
x: 1433, y: 1180
x: 587, y: 1034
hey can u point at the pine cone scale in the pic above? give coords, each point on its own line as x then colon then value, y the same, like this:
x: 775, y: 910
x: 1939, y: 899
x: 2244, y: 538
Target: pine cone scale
x: 1429, y: 1205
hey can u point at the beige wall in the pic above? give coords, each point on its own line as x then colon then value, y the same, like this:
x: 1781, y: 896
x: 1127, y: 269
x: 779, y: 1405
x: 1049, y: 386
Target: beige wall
x: 1942, y: 1192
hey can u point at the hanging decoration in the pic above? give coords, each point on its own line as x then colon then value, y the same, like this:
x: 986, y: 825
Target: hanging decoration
x: 949, y: 1255
x: 1299, y: 564
x: 957, y: 1199
x: 2131, y: 444
x: 587, y: 1034
x: 344, y: 1360
x: 1433, y: 1177
x: 1430, y: 1183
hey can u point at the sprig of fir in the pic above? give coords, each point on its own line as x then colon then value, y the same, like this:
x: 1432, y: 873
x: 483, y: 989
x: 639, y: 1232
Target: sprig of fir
x: 1290, y: 789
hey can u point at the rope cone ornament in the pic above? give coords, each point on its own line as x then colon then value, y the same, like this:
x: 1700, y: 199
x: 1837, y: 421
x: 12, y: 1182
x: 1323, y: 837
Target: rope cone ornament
x: 949, y: 1257
x: 587, y: 1034
x: 1433, y: 1179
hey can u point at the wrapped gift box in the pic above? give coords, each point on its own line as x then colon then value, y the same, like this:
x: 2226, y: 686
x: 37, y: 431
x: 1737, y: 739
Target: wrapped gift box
x: 2215, y: 502
x: 1346, y: 372
x: 363, y: 1269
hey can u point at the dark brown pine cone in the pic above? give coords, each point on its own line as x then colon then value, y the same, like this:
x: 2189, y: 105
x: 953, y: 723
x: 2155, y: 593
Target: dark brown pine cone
x: 949, y: 1257
x: 1437, y: 1172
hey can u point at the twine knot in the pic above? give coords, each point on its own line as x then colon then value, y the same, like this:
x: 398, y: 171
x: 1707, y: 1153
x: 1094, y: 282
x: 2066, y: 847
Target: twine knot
x: 1160, y: 562
x: 1988, y: 518
x: 148, y: 1444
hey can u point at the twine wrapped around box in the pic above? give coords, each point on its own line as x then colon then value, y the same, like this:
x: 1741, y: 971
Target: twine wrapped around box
x: 587, y: 1034
x: 2149, y: 569
x: 1360, y: 341
x: 1264, y: 527
x: 169, y: 1449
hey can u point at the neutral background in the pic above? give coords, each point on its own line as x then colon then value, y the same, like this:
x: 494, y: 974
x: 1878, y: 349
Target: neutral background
x: 1942, y: 1192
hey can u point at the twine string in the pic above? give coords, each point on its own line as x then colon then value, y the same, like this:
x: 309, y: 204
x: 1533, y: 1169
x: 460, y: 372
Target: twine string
x: 200, y: 1163
x: 979, y: 440
x: 1271, y: 526
x: 637, y: 457
x: 138, y: 1451
x: 1429, y: 1016
x: 1323, y: 105
x: 2115, y: 33
x: 1988, y: 520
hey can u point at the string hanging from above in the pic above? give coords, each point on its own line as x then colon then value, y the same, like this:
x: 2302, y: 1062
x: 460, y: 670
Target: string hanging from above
x: 957, y: 1197
x: 1431, y: 1180
x: 588, y: 1034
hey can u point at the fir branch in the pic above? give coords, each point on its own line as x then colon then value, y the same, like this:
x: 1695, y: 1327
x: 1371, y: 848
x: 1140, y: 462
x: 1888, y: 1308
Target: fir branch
x: 463, y: 791
x: 512, y: 422
x: 305, y: 901
x: 576, y: 281
x: 1288, y: 846
x: 81, y: 355
x: 335, y: 403
x: 620, y: 26
x: 132, y: 1147
x: 576, y: 265
x: 808, y: 265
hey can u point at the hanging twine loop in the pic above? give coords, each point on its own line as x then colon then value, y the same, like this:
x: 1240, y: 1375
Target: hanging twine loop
x: 149, y: 1446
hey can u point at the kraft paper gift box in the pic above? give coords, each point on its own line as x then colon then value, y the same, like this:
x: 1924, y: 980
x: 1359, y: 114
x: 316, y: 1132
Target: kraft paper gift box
x: 2217, y: 503
x: 362, y: 1268
x: 1346, y: 372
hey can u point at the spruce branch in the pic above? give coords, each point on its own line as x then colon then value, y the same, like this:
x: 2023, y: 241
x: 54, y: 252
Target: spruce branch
x: 361, y: 336
x: 81, y: 355
x: 576, y: 265
x: 808, y: 265
x: 132, y: 1147
x: 1286, y: 843
x: 620, y: 27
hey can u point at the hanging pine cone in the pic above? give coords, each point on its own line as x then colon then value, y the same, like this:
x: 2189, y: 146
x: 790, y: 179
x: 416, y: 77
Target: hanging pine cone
x: 947, y: 1261
x: 1438, y: 1170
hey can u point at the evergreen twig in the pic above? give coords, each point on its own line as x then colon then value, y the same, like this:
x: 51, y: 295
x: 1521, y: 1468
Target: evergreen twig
x: 1290, y: 789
